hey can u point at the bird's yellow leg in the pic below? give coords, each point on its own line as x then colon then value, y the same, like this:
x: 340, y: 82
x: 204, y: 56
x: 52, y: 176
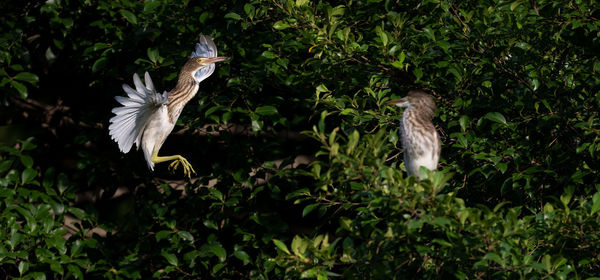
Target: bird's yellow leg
x: 177, y: 159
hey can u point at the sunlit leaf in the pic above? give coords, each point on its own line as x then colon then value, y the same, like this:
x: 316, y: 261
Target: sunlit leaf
x: 129, y: 16
x: 496, y: 117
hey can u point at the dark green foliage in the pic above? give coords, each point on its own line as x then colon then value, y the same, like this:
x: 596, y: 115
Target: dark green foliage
x: 34, y: 207
x: 298, y: 155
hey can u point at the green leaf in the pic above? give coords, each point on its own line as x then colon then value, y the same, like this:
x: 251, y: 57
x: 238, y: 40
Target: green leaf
x: 99, y: 64
x: 595, y: 203
x: 281, y: 246
x: 49, y: 176
x: 218, y: 251
x: 162, y: 234
x: 337, y: 11
x: 23, y: 267
x: 502, y: 166
x: 243, y: 256
x: 129, y: 16
x: 454, y: 70
x: 514, y: 5
x: 216, y: 194
x: 567, y: 196
x: 151, y: 5
x: 382, y: 35
x: 249, y: 9
x: 5, y: 165
x: 27, y: 144
x: 299, y: 246
x: 21, y: 88
x: 280, y: 25
x: 56, y: 267
x: 27, y: 161
x: 322, y: 88
x: 233, y: 15
x: 309, y: 273
x: 401, y: 57
x: 171, y: 258
x: 548, y: 208
x: 441, y: 221
x: 269, y: 54
x: 429, y: 33
x: 418, y: 73
x: 217, y: 267
x: 36, y: 276
x: 495, y: 258
x: 16, y: 67
x: 353, y: 142
x: 27, y: 77
x: 309, y: 208
x: 75, y: 271
x: 62, y: 182
x: 496, y: 117
x: 398, y: 64
x: 28, y: 175
x: 185, y: 235
x: 266, y: 110
x: 214, y: 109
x: 346, y: 223
x: 152, y: 54
x: 210, y: 224
x: 300, y: 3
x: 463, y: 121
x: 256, y: 125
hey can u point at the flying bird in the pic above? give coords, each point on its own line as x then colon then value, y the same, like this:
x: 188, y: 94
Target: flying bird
x: 420, y: 140
x: 147, y: 117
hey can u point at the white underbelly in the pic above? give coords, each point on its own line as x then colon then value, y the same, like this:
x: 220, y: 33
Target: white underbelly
x: 155, y: 133
x: 428, y: 158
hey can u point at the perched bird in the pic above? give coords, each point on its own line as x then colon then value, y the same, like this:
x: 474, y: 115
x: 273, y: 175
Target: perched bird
x: 420, y: 140
x: 147, y: 117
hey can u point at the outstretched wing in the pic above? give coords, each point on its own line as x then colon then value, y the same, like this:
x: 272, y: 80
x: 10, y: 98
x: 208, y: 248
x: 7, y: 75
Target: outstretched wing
x: 205, y: 48
x: 139, y: 106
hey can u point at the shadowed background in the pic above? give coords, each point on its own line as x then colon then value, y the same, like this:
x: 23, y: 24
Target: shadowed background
x: 297, y: 154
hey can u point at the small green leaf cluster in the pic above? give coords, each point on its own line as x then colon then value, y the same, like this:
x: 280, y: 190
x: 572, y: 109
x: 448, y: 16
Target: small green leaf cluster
x: 381, y: 225
x: 33, y: 211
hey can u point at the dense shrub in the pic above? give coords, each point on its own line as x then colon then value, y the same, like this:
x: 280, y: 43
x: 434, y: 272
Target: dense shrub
x: 298, y: 155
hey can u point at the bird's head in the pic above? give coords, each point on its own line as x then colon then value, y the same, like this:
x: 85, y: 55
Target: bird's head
x: 419, y: 101
x: 202, y: 60
x: 205, y: 53
x: 206, y: 61
x: 201, y: 67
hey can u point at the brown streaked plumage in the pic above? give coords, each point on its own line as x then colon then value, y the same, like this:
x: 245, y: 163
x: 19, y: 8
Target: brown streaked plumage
x: 420, y: 140
x: 148, y: 117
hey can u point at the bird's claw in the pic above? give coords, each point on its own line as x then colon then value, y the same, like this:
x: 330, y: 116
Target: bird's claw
x: 187, y: 167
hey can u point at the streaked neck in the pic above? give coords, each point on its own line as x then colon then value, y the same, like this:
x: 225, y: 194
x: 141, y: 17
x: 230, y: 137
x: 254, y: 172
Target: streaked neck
x: 184, y: 91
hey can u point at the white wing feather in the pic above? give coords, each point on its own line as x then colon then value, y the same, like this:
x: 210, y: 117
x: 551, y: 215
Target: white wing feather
x: 205, y: 48
x: 141, y: 103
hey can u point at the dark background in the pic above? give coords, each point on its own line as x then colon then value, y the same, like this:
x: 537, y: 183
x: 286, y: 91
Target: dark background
x: 298, y: 161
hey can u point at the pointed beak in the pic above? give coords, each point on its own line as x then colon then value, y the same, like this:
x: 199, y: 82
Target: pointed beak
x: 398, y: 102
x: 209, y: 60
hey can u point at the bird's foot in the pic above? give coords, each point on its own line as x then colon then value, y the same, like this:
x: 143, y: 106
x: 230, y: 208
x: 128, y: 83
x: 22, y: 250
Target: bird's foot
x: 187, y: 167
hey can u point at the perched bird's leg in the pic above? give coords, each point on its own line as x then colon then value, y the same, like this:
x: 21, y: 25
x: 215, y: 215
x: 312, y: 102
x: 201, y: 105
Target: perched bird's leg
x: 177, y: 159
